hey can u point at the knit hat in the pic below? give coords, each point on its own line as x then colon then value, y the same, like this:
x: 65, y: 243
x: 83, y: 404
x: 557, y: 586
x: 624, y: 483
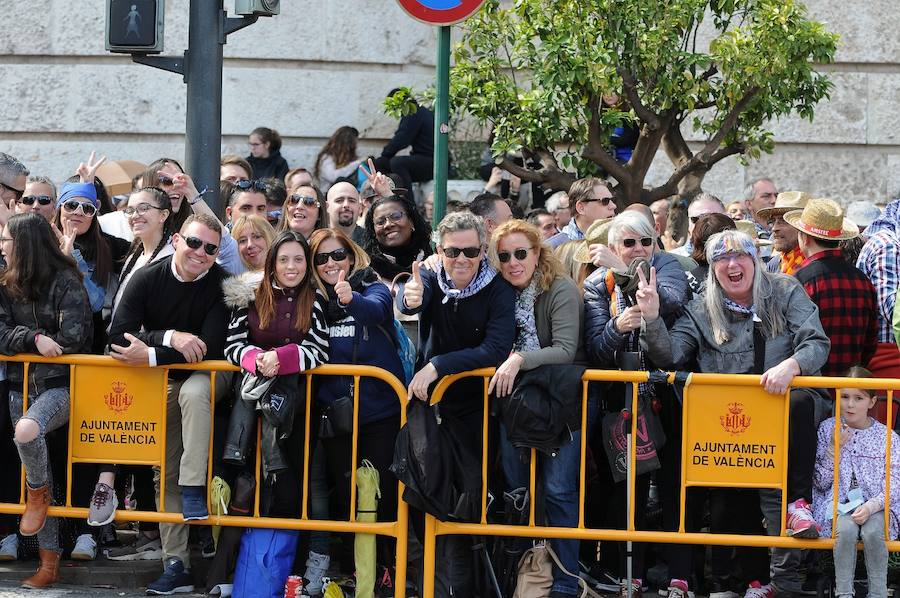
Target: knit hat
x: 596, y: 234
x: 784, y: 203
x: 824, y: 219
x: 73, y: 190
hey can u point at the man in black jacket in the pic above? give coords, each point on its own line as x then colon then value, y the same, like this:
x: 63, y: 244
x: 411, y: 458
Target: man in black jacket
x: 173, y: 312
x: 415, y: 131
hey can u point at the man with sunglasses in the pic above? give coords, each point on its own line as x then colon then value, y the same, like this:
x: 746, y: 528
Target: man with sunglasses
x: 344, y: 208
x: 39, y: 198
x: 173, y: 312
x: 12, y: 179
x: 590, y: 200
x: 701, y: 204
x: 248, y: 198
x: 467, y: 321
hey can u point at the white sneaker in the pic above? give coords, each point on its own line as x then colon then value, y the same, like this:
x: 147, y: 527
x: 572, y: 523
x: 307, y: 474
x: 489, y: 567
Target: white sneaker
x: 85, y: 548
x: 9, y: 548
x: 316, y: 568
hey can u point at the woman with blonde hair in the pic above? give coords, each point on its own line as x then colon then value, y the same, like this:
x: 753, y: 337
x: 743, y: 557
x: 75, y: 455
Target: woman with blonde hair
x: 254, y: 236
x: 546, y: 333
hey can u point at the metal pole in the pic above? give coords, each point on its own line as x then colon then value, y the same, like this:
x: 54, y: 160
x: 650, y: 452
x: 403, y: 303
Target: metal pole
x: 441, y: 125
x: 203, y: 75
x: 629, y: 489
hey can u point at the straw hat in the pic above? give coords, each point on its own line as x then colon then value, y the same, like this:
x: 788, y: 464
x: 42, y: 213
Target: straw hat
x: 597, y: 233
x: 863, y: 213
x: 749, y: 229
x: 824, y: 219
x: 784, y: 203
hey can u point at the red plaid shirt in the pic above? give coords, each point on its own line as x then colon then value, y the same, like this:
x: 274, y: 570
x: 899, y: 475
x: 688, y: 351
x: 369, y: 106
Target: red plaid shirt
x: 848, y: 308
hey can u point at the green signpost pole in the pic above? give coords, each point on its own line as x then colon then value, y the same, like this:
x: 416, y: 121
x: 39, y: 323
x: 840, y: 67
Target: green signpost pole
x: 441, y: 124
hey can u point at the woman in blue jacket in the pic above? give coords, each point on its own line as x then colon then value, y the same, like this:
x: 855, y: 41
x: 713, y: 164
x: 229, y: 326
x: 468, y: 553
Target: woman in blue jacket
x: 360, y: 317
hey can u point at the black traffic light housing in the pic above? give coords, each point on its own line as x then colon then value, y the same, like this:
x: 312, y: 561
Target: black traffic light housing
x: 135, y: 26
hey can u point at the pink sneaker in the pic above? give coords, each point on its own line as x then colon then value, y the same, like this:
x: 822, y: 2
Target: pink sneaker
x: 756, y: 590
x: 800, y: 522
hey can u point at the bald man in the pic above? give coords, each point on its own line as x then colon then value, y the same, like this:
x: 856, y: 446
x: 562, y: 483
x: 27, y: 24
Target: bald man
x: 344, y: 207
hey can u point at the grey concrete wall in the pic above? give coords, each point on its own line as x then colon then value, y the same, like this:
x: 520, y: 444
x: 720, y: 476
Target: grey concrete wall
x: 325, y: 63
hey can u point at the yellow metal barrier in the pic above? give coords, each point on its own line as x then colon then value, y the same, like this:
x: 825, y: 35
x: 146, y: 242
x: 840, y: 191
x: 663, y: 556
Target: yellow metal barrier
x: 109, y: 407
x: 715, y: 407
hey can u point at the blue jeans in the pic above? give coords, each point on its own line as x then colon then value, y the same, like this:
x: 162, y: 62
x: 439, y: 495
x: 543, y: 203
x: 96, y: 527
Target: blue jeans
x: 559, y: 478
x: 872, y: 535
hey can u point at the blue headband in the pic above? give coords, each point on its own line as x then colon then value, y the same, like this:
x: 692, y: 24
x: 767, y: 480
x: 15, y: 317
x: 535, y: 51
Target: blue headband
x: 73, y: 190
x: 733, y: 244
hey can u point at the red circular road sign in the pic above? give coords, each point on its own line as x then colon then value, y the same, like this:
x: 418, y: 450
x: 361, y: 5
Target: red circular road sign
x: 440, y: 12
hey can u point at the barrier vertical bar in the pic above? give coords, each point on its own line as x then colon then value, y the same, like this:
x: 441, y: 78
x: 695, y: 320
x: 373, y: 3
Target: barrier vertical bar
x: 304, y: 507
x: 69, y: 439
x: 887, y: 470
x: 165, y: 432
x: 429, y: 554
x: 583, y: 458
x: 532, y: 478
x: 354, y: 449
x: 212, y: 424
x: 258, y: 465
x: 684, y: 439
x: 632, y: 455
x: 25, y: 368
x: 484, y: 449
x: 836, y: 447
x: 402, y: 528
x: 784, y: 469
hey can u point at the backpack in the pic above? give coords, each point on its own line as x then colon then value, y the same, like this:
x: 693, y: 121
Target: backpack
x: 406, y: 350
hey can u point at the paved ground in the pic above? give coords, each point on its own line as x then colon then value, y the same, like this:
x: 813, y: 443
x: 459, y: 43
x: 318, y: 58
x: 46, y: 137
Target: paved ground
x: 11, y: 590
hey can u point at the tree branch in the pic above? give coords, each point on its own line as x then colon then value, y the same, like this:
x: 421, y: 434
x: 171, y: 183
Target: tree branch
x: 630, y: 87
x: 708, y: 73
x: 595, y: 151
x: 730, y: 121
x: 704, y: 105
x: 699, y: 162
x: 675, y: 146
x: 549, y: 174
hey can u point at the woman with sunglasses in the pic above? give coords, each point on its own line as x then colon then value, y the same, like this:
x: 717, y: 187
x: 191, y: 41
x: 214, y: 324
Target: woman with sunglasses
x: 303, y: 211
x: 612, y: 330
x: 39, y: 197
x: 168, y: 175
x: 361, y: 319
x: 549, y: 321
x: 44, y: 310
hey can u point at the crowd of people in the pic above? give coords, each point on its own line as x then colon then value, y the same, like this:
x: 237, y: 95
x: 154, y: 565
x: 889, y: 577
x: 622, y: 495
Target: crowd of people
x: 339, y: 264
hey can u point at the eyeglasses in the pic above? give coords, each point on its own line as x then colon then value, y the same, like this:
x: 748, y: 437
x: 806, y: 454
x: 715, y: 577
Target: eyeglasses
x: 338, y: 255
x: 604, y: 201
x: 28, y: 200
x: 645, y: 241
x: 195, y: 243
x: 88, y: 209
x: 520, y: 254
x: 453, y: 252
x: 245, y: 185
x: 18, y: 192
x: 140, y: 209
x: 395, y: 217
x: 308, y: 200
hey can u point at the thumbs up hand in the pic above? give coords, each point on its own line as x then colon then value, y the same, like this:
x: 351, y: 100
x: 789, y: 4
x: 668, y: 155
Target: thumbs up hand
x: 342, y: 289
x: 413, y: 291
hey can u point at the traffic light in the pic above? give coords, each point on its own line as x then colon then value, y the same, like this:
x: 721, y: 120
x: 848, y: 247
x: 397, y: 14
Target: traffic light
x: 134, y: 26
x: 262, y: 8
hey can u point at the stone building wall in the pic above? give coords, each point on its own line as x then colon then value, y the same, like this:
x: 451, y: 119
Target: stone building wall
x: 325, y: 63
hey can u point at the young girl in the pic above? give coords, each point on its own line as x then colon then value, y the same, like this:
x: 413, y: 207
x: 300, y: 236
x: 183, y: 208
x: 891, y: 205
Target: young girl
x: 863, y: 444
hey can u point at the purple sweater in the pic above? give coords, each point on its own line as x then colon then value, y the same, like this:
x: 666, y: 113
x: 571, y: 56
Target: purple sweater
x: 863, y: 456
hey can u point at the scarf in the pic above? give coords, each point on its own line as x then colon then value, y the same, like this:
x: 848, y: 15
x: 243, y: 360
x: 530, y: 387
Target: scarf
x: 389, y: 262
x: 359, y: 280
x: 791, y: 261
x: 483, y: 277
x: 618, y: 302
x: 526, y: 328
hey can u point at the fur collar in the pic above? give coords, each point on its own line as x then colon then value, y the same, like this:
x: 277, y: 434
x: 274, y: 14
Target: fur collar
x: 239, y: 291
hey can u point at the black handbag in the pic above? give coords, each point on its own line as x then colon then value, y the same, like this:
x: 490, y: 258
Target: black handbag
x: 337, y: 418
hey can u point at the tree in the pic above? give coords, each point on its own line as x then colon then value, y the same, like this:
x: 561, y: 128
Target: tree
x: 537, y: 71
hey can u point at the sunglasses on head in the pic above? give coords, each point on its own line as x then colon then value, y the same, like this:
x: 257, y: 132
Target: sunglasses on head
x: 470, y: 252
x: 28, y: 200
x: 71, y: 206
x: 520, y: 254
x: 245, y: 185
x: 195, y: 243
x: 396, y: 216
x: 338, y: 255
x: 308, y: 200
x: 645, y: 241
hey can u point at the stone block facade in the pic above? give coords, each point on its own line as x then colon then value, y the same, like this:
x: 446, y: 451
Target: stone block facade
x: 322, y: 64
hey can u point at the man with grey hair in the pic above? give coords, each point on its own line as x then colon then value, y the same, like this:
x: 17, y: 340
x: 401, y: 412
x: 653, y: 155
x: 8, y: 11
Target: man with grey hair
x: 701, y: 204
x: 467, y: 321
x: 759, y: 194
x: 13, y: 176
x: 558, y: 205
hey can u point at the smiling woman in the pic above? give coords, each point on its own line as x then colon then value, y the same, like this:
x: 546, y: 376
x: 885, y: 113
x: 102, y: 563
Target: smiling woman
x: 396, y: 236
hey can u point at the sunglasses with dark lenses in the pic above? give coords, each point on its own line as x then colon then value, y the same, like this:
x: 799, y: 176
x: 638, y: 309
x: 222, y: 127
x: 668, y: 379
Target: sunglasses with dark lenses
x: 28, y: 200
x: 245, y: 185
x: 308, y: 200
x: 520, y: 254
x: 645, y: 241
x: 87, y: 209
x: 18, y: 192
x: 195, y: 243
x: 604, y: 201
x: 393, y: 217
x: 470, y: 252
x: 338, y: 255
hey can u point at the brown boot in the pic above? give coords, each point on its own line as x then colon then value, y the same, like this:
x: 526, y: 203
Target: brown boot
x: 47, y: 574
x: 35, y: 514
